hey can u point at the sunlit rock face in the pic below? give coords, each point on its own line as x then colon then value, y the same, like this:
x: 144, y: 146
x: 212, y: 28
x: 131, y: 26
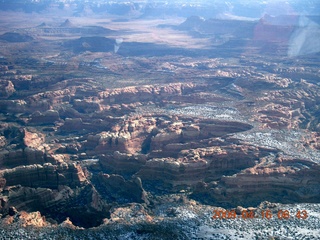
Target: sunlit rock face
x: 133, y: 127
x: 124, y: 143
x: 7, y: 89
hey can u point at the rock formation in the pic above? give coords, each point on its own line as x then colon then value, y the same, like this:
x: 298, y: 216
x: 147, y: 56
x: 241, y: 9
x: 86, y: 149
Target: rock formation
x: 7, y: 89
x: 90, y: 137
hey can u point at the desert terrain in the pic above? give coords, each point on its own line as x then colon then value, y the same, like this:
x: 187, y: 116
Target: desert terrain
x: 142, y: 127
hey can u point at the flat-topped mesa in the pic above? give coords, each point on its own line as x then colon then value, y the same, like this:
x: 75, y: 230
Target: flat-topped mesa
x: 156, y: 136
x: 202, y: 164
x: 261, y: 81
x: 76, y: 122
x: 46, y: 176
x: 86, y: 105
x: 46, y: 100
x: 177, y: 135
x: 48, y: 117
x: 287, y: 181
x: 38, y: 102
x: 13, y: 106
x: 286, y: 108
x: 26, y: 156
x: 128, y: 137
x: 129, y: 144
x: 147, y: 93
x: 173, y: 171
x: 122, y: 163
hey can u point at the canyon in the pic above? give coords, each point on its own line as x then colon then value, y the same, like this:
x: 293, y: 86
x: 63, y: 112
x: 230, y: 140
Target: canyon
x: 90, y: 135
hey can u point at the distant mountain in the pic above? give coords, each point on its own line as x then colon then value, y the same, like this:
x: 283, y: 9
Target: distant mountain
x: 67, y: 23
x: 42, y: 25
x: 156, y: 8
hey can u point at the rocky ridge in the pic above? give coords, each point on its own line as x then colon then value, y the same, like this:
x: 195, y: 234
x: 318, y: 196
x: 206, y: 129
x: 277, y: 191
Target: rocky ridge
x: 161, y: 152
x: 97, y: 146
